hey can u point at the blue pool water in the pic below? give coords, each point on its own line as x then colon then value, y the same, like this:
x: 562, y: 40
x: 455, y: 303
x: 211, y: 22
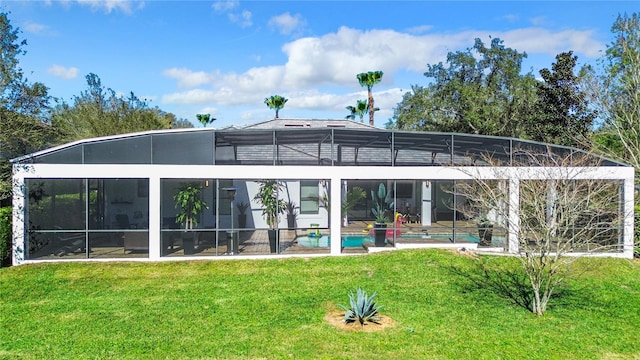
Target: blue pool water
x: 357, y: 240
x: 324, y: 241
x: 465, y: 237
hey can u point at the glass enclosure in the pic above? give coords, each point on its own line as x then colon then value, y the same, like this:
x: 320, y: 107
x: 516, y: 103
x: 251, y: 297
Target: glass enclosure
x: 109, y: 218
x: 231, y: 220
x: 210, y: 216
x: 87, y: 218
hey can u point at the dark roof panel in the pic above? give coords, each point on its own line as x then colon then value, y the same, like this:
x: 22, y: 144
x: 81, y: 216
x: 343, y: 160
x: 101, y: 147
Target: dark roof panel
x: 320, y: 145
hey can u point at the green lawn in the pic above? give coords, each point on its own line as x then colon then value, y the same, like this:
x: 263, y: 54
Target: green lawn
x: 276, y: 308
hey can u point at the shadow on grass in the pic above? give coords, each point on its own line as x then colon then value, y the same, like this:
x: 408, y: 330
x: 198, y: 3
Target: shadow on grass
x: 511, y: 283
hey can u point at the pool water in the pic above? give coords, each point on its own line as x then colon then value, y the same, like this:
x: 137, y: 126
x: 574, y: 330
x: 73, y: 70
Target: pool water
x: 465, y: 237
x: 324, y: 241
x: 355, y: 241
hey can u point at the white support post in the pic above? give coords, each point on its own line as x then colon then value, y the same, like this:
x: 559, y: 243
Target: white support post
x: 335, y: 219
x: 154, y: 218
x: 514, y: 216
x: 18, y: 250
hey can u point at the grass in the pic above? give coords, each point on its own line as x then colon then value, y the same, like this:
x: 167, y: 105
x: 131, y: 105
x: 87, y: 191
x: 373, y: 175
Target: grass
x: 271, y: 309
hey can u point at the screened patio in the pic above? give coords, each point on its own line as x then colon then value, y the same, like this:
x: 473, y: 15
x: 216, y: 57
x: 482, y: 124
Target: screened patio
x: 115, y: 197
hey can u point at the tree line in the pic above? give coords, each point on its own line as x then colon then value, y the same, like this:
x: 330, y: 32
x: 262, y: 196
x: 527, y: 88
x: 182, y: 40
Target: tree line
x: 482, y: 90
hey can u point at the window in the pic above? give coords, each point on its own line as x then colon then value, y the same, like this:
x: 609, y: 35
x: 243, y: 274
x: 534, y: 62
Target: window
x: 309, y: 197
x: 224, y: 206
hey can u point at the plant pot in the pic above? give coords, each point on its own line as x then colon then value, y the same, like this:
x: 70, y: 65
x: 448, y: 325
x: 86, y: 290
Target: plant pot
x: 242, y: 221
x: 273, y: 240
x: 380, y: 234
x: 485, y: 232
x: 187, y: 243
x: 291, y: 221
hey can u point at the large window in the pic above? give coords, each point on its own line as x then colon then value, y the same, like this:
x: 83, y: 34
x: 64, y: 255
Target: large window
x: 87, y: 218
x: 309, y: 197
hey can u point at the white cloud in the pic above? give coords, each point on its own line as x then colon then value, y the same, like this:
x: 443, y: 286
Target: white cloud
x: 224, y: 6
x: 331, y: 62
x: 191, y: 97
x: 35, y: 28
x: 286, y: 23
x: 125, y: 6
x: 63, y: 72
x: 512, y: 18
x: 208, y: 110
x: 538, y: 21
x: 539, y: 40
x: 188, y: 79
x: 419, y: 29
x: 243, y: 18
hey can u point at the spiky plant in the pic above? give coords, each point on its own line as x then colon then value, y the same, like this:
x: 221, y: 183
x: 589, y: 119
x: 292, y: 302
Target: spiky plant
x: 363, y: 309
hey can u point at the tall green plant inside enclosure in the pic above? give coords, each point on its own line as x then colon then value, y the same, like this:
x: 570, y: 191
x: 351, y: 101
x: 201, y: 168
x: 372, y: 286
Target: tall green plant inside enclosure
x: 272, y: 205
x: 382, y: 202
x: 189, y: 200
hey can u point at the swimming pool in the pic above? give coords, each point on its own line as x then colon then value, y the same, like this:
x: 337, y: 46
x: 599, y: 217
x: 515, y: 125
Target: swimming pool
x: 464, y: 237
x: 354, y: 241
x: 324, y: 241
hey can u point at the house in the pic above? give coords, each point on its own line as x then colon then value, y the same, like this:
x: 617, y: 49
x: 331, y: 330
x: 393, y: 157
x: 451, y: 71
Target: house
x: 115, y: 197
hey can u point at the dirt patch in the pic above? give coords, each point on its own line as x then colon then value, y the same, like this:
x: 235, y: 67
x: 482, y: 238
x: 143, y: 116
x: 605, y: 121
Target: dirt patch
x: 464, y: 252
x: 336, y: 318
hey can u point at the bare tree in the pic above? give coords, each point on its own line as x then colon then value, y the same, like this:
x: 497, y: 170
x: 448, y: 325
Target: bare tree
x: 553, y: 209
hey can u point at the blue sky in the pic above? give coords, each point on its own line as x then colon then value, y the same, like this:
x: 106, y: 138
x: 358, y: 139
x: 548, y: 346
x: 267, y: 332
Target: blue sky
x: 225, y: 57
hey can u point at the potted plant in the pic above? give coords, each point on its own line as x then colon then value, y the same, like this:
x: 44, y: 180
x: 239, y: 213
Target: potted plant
x: 189, y: 200
x: 242, y: 214
x: 382, y: 202
x: 351, y: 198
x: 272, y: 207
x: 292, y: 214
x: 485, y: 231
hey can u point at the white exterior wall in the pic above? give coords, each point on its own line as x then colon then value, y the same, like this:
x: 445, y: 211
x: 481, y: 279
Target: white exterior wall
x: 335, y: 174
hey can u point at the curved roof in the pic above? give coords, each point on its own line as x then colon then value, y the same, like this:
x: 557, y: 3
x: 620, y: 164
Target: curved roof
x: 331, y: 145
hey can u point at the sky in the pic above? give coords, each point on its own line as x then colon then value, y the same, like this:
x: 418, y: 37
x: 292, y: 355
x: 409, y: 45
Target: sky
x: 225, y: 57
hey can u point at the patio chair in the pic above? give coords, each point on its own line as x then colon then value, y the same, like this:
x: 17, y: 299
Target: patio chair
x: 414, y: 215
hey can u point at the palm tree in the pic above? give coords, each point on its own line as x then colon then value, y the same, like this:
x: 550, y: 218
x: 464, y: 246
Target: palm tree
x: 205, y: 119
x: 369, y: 79
x: 360, y: 110
x: 276, y: 102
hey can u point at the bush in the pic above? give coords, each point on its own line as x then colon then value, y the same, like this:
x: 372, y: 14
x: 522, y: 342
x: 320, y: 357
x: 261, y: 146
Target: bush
x: 5, y: 236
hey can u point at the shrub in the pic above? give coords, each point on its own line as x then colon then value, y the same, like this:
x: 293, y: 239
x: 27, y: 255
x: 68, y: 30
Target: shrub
x: 5, y: 236
x: 362, y: 309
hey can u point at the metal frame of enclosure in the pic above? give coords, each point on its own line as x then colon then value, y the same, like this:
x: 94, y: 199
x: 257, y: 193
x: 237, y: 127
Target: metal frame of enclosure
x: 70, y: 201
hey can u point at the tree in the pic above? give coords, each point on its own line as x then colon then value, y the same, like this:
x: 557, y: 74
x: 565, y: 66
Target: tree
x: 98, y: 111
x: 205, y: 119
x: 616, y: 94
x: 24, y: 107
x: 369, y: 79
x: 562, y: 115
x: 276, y: 102
x: 481, y: 91
x: 568, y: 212
x: 360, y: 110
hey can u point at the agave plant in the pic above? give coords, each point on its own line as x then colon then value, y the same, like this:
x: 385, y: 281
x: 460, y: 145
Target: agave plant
x: 362, y: 309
